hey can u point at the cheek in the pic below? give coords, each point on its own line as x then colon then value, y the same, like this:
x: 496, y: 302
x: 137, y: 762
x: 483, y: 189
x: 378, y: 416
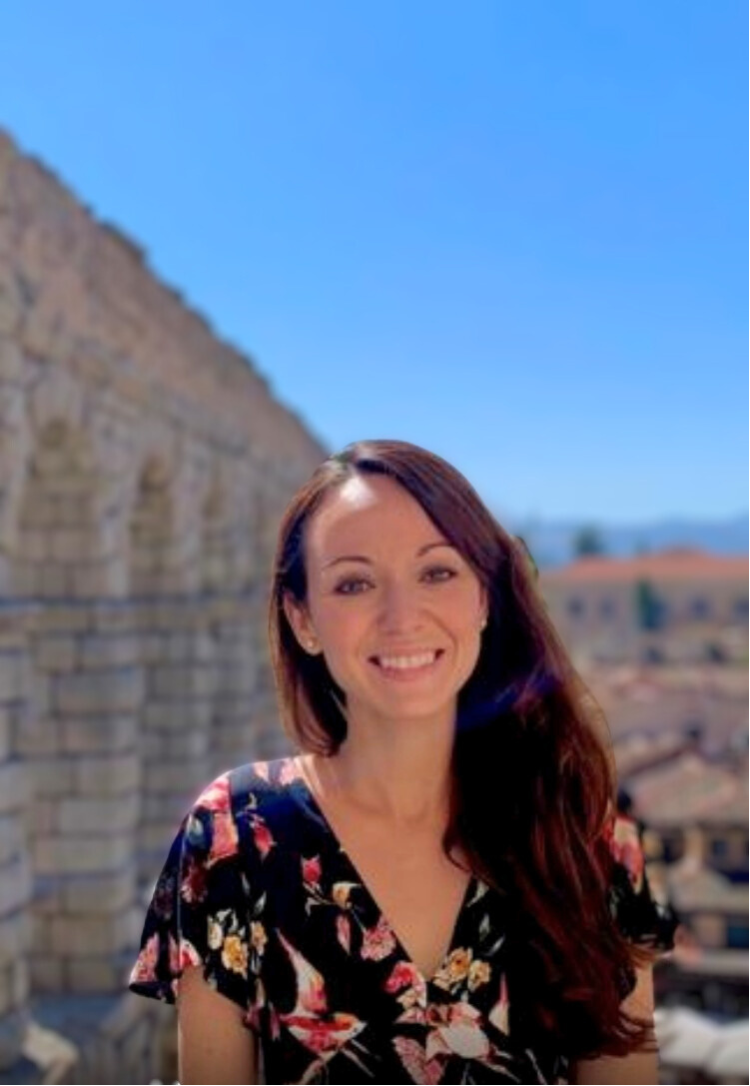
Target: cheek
x: 339, y: 627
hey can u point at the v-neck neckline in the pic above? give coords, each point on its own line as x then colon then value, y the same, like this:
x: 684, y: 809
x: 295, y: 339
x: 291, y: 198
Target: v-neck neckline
x: 336, y: 846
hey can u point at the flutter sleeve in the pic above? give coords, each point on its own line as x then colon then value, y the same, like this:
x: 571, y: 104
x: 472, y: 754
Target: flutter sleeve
x: 200, y: 912
x: 641, y: 917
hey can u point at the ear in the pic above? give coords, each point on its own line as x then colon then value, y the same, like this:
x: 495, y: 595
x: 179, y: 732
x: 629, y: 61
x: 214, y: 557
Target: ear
x: 299, y: 619
x: 485, y: 608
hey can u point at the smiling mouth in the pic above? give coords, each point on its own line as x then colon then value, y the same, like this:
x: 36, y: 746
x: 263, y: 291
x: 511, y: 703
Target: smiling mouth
x: 405, y: 666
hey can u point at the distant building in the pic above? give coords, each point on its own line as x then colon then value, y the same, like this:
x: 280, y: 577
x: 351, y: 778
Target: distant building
x: 675, y: 605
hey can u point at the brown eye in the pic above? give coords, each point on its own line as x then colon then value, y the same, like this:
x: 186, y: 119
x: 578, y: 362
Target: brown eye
x: 350, y: 587
x: 437, y: 574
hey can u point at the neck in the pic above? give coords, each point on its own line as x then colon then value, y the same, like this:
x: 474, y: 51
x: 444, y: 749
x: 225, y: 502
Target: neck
x: 400, y: 771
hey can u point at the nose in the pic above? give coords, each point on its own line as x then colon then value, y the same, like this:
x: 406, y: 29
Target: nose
x: 400, y: 612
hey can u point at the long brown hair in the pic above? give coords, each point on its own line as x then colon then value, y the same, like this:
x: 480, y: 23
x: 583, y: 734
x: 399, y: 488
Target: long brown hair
x: 533, y: 782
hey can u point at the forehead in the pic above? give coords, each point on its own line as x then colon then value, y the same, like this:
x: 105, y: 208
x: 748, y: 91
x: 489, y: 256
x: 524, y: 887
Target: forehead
x: 360, y: 509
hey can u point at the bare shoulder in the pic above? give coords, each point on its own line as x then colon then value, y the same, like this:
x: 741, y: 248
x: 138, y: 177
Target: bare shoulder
x: 214, y: 1043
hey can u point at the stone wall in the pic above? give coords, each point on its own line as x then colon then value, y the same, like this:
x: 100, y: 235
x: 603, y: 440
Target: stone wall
x: 144, y: 465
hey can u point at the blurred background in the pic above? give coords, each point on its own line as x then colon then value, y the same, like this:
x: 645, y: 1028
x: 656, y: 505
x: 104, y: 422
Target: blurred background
x: 233, y: 240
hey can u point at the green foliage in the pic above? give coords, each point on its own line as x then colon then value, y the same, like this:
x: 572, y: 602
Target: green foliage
x: 648, y: 607
x: 588, y: 541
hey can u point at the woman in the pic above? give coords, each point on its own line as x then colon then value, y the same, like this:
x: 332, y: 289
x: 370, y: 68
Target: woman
x: 435, y: 889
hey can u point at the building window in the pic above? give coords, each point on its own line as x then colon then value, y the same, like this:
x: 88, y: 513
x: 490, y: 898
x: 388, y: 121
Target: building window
x: 699, y: 608
x: 737, y: 935
x: 719, y: 848
x: 576, y: 607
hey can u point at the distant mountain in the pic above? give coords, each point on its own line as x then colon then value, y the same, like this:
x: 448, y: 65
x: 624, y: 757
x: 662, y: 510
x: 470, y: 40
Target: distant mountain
x: 551, y: 543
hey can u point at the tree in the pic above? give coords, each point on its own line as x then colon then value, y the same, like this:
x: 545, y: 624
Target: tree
x: 648, y: 607
x: 588, y: 541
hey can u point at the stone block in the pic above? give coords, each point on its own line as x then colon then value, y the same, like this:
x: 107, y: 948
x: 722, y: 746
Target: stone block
x: 90, y: 936
x: 175, y: 746
x: 15, y: 885
x: 54, y: 582
x: 12, y: 679
x: 12, y: 837
x: 81, y: 855
x: 46, y: 974
x: 43, y: 816
x: 14, y: 787
x: 51, y: 777
x: 41, y: 933
x: 176, y: 715
x: 100, y: 893
x: 15, y: 936
x: 11, y: 360
x: 117, y: 690
x: 35, y: 545
x: 6, y: 990
x: 98, y: 816
x: 180, y: 681
x: 108, y: 651
x: 95, y: 974
x: 48, y: 896
x: 97, y: 734
x: 92, y: 582
x: 38, y: 736
x: 56, y: 653
x: 175, y: 778
x: 5, y: 732
x: 63, y: 619
x: 107, y: 775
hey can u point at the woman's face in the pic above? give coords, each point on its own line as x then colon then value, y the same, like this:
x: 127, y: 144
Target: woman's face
x: 394, y: 608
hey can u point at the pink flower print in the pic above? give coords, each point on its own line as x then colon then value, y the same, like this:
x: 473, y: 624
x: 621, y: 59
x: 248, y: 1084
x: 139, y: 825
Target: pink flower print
x: 144, y: 970
x: 187, y: 955
x: 216, y: 796
x: 289, y: 771
x: 344, y: 932
x: 320, y: 1035
x: 193, y: 887
x: 264, y: 842
x: 378, y: 942
x: 403, y: 975
x: 406, y: 979
x: 498, y: 1016
x: 414, y: 1058
x: 311, y: 996
x: 225, y: 839
x: 626, y: 849
x: 311, y: 871
x: 456, y: 1028
x: 262, y: 770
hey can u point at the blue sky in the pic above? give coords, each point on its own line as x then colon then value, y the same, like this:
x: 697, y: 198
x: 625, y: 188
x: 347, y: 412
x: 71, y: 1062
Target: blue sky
x: 512, y: 231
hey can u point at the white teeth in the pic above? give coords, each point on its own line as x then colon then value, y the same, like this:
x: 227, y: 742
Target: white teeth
x: 405, y: 662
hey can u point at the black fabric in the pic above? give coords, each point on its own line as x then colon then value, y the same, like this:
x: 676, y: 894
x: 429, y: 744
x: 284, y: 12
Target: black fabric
x: 257, y: 891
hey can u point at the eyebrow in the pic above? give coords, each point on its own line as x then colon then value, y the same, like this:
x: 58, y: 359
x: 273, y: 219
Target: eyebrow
x: 368, y: 561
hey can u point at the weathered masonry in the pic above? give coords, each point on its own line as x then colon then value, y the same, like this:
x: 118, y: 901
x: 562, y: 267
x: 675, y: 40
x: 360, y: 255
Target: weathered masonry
x: 143, y: 468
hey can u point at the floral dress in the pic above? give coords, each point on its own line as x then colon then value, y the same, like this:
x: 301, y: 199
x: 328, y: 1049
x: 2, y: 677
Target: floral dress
x: 257, y: 891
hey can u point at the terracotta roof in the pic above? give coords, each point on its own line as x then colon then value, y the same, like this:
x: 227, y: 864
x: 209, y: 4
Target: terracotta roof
x: 673, y: 564
x: 694, y: 888
x: 688, y: 791
x: 639, y: 751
